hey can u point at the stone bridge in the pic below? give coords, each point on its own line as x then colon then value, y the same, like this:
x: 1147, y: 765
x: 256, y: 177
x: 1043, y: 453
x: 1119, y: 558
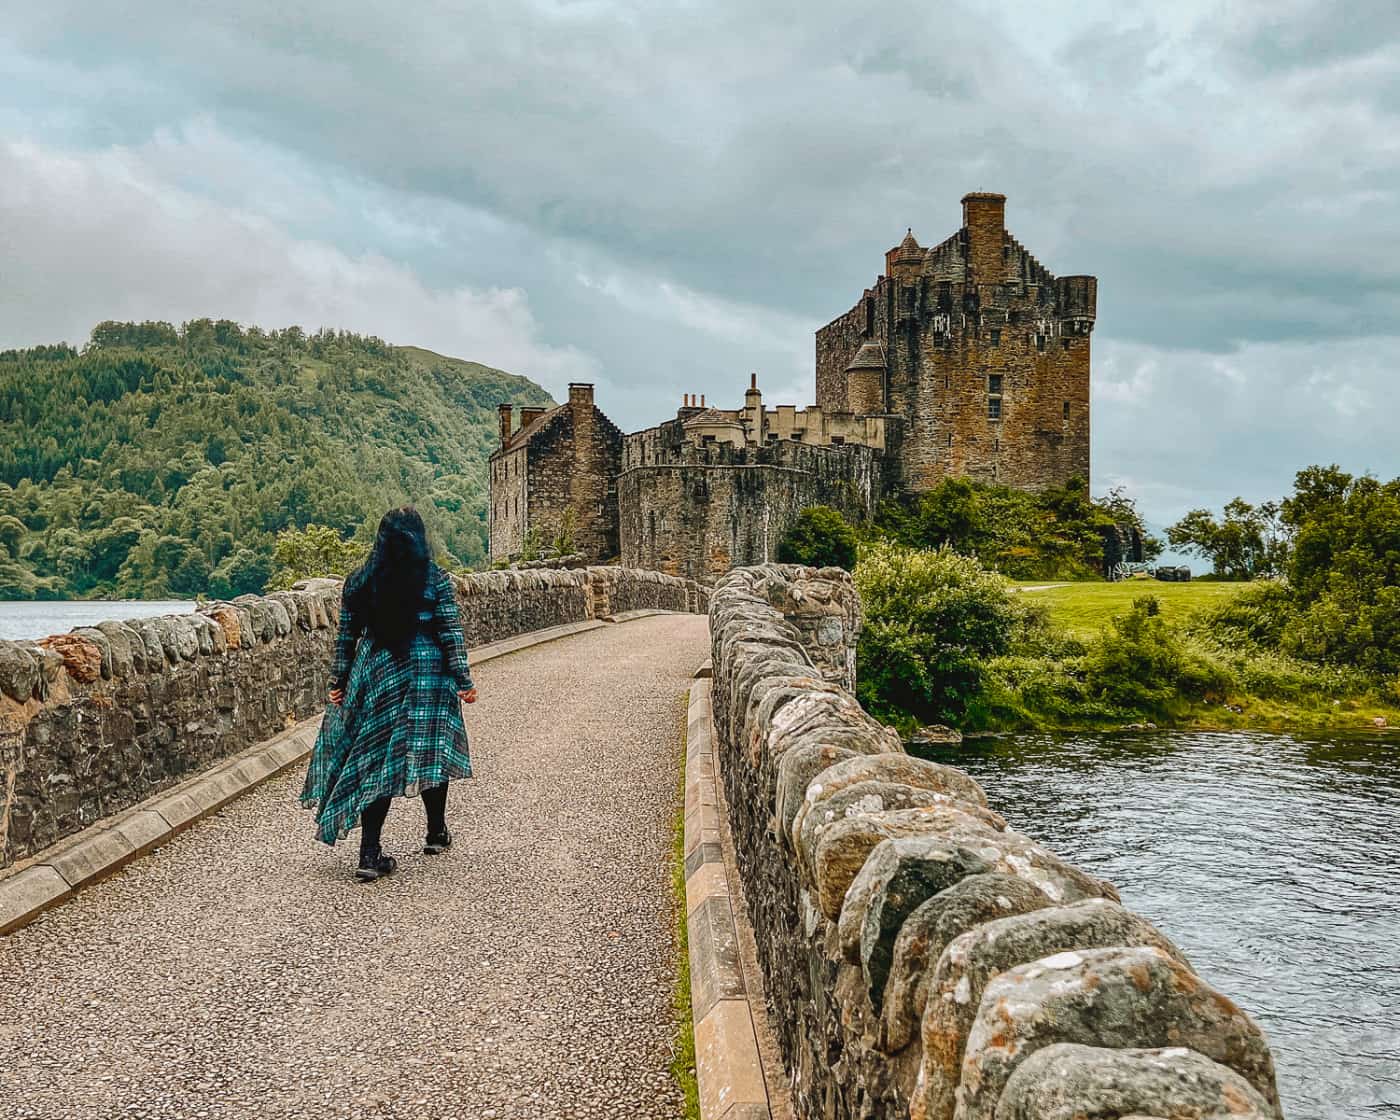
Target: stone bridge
x: 867, y: 937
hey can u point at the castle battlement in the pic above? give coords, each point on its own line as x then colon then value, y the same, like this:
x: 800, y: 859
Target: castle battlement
x: 965, y: 359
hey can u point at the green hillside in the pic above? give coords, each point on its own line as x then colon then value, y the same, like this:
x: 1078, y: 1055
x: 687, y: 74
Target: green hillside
x: 163, y: 461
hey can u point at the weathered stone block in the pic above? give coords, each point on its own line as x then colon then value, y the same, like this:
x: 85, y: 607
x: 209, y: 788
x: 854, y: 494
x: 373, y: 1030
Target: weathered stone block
x: 19, y: 672
x: 1119, y: 998
x: 100, y: 640
x: 819, y: 814
x: 967, y: 904
x: 1069, y: 1082
x: 842, y: 848
x: 899, y: 875
x: 82, y: 659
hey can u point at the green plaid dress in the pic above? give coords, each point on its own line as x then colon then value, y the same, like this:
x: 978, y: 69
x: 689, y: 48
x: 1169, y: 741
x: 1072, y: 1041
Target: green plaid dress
x: 399, y: 729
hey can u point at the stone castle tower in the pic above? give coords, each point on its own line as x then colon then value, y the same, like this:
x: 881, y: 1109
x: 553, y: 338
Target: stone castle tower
x: 968, y: 359
x: 981, y: 354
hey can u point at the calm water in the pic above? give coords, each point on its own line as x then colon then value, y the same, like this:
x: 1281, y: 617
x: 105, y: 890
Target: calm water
x: 26, y: 620
x: 1273, y: 862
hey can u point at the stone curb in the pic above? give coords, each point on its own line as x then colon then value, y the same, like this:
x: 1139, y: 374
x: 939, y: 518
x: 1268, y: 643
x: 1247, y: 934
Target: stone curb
x: 728, y: 1066
x: 53, y: 876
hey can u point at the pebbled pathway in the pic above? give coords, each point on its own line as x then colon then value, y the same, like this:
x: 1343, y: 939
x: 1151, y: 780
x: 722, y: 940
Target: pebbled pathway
x: 240, y: 972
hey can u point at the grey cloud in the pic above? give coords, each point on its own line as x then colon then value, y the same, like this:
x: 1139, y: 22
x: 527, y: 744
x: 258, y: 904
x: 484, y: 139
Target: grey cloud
x: 1225, y: 170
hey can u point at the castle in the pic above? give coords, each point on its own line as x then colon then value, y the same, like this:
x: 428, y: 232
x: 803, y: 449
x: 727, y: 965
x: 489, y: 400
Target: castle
x: 967, y: 359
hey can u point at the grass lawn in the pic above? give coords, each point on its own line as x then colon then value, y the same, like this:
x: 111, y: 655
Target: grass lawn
x: 1085, y: 608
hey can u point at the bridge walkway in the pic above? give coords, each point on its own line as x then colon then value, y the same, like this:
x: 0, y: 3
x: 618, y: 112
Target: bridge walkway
x: 239, y: 971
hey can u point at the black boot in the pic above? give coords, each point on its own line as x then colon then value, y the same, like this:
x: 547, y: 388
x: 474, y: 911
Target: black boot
x: 374, y: 864
x: 438, y: 841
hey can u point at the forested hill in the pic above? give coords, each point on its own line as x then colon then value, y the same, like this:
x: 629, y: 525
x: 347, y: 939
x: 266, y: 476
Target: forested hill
x: 163, y: 461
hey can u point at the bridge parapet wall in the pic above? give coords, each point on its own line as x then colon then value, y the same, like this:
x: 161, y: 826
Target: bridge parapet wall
x: 94, y: 721
x: 921, y: 959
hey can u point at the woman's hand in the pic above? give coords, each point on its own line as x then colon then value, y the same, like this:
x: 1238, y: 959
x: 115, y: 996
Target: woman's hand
x: 467, y: 696
x: 337, y: 695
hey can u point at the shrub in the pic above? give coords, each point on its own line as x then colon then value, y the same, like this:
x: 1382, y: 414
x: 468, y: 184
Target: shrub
x: 932, y: 620
x: 820, y: 537
x: 1140, y: 664
x: 1255, y: 619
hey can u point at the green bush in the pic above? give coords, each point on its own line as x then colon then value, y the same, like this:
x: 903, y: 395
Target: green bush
x: 1141, y: 664
x: 932, y: 621
x: 317, y: 550
x: 820, y: 537
x: 1255, y: 619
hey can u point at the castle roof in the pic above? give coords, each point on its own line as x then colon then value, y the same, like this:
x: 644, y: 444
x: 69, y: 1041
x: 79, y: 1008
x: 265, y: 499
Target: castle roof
x: 708, y: 417
x: 525, y: 433
x: 909, y: 249
x: 871, y: 355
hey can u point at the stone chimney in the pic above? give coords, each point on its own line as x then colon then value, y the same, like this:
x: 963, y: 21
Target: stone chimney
x: 529, y: 414
x: 503, y: 412
x: 753, y: 410
x: 984, y: 218
x: 581, y: 395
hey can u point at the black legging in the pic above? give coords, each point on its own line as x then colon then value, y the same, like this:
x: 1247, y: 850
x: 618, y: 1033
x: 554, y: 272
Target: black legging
x: 372, y: 818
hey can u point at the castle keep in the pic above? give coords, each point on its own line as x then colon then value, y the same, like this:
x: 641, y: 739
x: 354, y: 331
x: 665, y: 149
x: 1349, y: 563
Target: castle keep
x: 967, y: 359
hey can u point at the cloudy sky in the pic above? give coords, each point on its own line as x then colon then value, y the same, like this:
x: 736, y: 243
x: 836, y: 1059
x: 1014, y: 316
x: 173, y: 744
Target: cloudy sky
x: 661, y: 197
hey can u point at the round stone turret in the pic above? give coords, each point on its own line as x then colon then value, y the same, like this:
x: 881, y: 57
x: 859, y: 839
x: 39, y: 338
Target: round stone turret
x: 905, y: 259
x: 865, y: 380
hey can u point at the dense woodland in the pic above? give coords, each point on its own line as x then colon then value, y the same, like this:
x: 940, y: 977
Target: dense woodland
x: 161, y: 461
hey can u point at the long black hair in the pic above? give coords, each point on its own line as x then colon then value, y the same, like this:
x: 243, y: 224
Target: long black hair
x: 387, y: 590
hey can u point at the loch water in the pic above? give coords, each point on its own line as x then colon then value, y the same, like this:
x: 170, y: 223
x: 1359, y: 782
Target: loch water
x: 26, y: 620
x: 1273, y: 861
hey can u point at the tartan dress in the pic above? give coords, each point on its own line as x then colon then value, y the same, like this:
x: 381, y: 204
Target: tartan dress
x: 399, y: 729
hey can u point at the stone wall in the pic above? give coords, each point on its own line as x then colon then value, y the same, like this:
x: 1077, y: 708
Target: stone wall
x: 920, y: 958
x: 726, y: 506
x: 97, y: 720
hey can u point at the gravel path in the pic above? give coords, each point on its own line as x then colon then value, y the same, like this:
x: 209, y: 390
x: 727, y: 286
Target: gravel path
x: 528, y: 972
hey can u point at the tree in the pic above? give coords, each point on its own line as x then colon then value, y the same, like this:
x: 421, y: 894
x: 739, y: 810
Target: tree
x: 243, y: 572
x: 1246, y: 542
x: 821, y: 538
x: 12, y: 533
x: 317, y: 550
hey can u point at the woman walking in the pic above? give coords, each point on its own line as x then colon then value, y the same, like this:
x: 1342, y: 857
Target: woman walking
x: 394, y: 726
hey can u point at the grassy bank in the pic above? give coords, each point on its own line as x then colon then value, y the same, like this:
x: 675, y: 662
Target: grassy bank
x: 1083, y: 671
x: 947, y: 641
x: 1081, y: 610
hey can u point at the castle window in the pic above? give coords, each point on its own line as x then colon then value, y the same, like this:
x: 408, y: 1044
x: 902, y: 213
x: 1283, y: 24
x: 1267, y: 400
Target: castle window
x: 1065, y: 343
x: 994, y: 383
x: 837, y: 441
x: 1066, y: 410
x: 996, y: 338
x: 869, y: 317
x: 1040, y: 342
x: 950, y: 439
x: 993, y: 408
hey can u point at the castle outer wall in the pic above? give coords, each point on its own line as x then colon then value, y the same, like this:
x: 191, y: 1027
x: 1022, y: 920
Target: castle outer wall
x: 724, y: 507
